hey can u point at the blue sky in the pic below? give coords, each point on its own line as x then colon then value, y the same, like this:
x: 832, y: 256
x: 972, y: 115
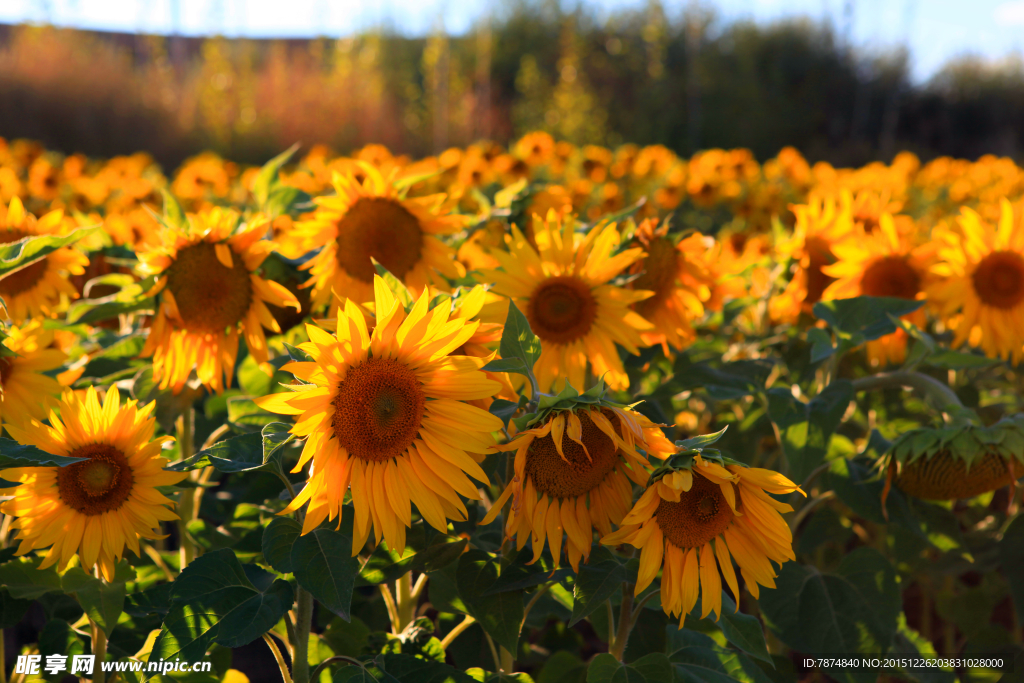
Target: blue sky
x: 935, y: 30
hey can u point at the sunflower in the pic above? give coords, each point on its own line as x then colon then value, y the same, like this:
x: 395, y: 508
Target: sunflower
x: 681, y: 283
x: 210, y: 293
x: 100, y: 505
x: 573, y: 472
x: 880, y: 262
x: 819, y: 226
x: 688, y: 518
x: 386, y: 413
x: 564, y: 288
x: 981, y: 278
x: 24, y: 389
x: 374, y: 220
x: 42, y: 287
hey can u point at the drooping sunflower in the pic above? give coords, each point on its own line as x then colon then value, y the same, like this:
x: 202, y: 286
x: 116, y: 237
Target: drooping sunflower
x: 574, y: 472
x: 880, y: 263
x: 680, y: 281
x: 209, y: 294
x: 98, y: 506
x: 386, y: 413
x: 956, y: 461
x: 40, y: 288
x: 980, y: 273
x: 564, y: 288
x: 819, y: 226
x: 24, y: 390
x: 698, y: 514
x: 374, y: 219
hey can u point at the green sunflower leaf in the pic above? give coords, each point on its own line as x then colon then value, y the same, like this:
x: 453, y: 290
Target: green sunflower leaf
x: 254, y: 451
x: 213, y: 600
x: 278, y: 539
x: 500, y: 614
x: 597, y: 581
x: 323, y: 564
x: 518, y: 340
x: 14, y: 454
x: 807, y: 428
x: 102, y: 601
x: 26, y: 251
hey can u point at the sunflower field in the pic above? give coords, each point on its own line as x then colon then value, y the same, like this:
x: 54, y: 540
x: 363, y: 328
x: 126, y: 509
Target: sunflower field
x: 543, y: 414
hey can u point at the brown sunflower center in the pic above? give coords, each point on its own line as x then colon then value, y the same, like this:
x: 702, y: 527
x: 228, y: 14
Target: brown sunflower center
x: 659, y: 276
x: 210, y: 296
x: 999, y: 279
x: 378, y: 410
x: 562, y: 309
x: 383, y: 229
x: 99, y: 484
x: 24, y: 279
x: 700, y: 515
x: 890, y: 276
x: 819, y: 254
x: 578, y: 473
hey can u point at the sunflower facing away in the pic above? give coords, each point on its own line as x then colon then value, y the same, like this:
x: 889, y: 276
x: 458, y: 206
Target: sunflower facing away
x: 386, y: 413
x: 374, y: 219
x: 24, y: 390
x: 688, y: 519
x: 981, y: 278
x: 40, y: 288
x: 575, y: 472
x: 880, y: 263
x: 563, y: 286
x: 100, y: 505
x: 680, y: 281
x: 210, y: 293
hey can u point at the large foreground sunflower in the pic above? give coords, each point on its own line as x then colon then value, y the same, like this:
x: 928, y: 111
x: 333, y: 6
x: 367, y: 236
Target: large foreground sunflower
x: 40, y: 288
x: 210, y: 293
x: 574, y: 472
x: 385, y: 413
x: 564, y: 287
x: 100, y: 505
x: 981, y: 278
x: 694, y: 521
x: 24, y: 390
x: 374, y: 219
x: 880, y: 263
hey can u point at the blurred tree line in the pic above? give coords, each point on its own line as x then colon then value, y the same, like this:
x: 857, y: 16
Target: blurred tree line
x: 688, y: 82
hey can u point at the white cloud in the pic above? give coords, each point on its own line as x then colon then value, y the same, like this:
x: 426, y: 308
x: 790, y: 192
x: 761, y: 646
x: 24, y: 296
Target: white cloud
x: 1010, y: 13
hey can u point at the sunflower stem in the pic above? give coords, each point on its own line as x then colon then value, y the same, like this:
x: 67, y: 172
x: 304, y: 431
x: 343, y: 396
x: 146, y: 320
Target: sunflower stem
x: 406, y: 603
x: 389, y: 602
x: 508, y: 662
x: 618, y: 648
x: 303, y: 622
x: 456, y: 631
x: 99, y: 649
x: 3, y: 659
x: 279, y: 657
x: 186, y: 501
x: 944, y: 397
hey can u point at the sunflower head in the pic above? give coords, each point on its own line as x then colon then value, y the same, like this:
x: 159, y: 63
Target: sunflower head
x: 979, y: 283
x: 210, y: 293
x: 371, y: 218
x: 564, y: 286
x: 42, y: 288
x: 105, y: 501
x: 700, y: 511
x: 958, y: 461
x: 576, y: 459
x: 387, y: 412
x: 26, y: 354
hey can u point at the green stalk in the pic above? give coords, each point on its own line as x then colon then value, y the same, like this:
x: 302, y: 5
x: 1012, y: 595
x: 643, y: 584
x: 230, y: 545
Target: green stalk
x: 618, y: 648
x: 406, y: 601
x: 186, y: 500
x: 944, y: 397
x: 303, y: 622
x: 99, y: 649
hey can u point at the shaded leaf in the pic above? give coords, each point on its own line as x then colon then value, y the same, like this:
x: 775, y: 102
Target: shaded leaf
x: 278, y: 539
x: 14, y: 454
x: 322, y: 563
x: 517, y: 339
x: 254, y: 451
x: 596, y: 582
x: 806, y: 428
x: 500, y: 614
